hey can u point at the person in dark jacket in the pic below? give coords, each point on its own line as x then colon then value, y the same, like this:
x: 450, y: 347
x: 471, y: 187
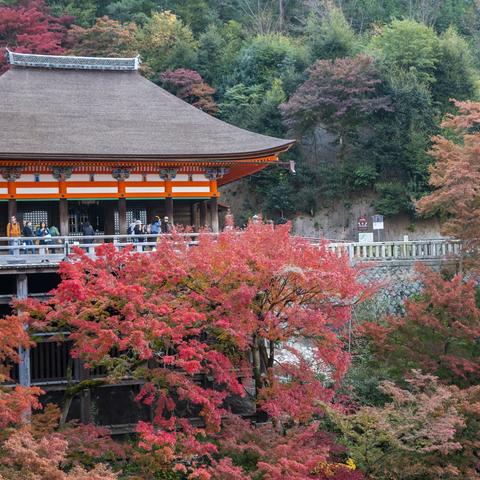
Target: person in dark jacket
x: 166, y: 225
x: 88, y: 231
x: 45, y: 238
x: 27, y: 232
x: 139, y: 231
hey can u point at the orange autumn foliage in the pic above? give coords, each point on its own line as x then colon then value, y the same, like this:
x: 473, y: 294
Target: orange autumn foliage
x: 455, y: 176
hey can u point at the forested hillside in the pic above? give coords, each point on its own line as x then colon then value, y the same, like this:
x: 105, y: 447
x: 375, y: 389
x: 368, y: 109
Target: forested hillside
x: 377, y: 75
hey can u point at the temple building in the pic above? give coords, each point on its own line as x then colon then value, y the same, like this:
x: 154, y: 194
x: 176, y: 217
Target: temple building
x: 86, y: 138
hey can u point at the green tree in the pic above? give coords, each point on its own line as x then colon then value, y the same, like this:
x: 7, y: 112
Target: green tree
x: 266, y: 57
x: 254, y: 107
x: 84, y: 11
x: 363, y: 14
x: 166, y: 43
x: 137, y: 11
x: 219, y: 47
x: 197, y: 14
x: 456, y: 76
x: 392, y: 198
x: 279, y: 199
x: 407, y: 46
x: 240, y: 105
x: 330, y: 36
x: 399, y: 143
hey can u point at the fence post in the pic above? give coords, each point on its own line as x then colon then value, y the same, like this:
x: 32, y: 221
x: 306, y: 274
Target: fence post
x: 24, y: 353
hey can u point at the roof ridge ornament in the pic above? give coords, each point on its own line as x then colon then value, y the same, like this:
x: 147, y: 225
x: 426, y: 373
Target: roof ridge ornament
x: 72, y: 62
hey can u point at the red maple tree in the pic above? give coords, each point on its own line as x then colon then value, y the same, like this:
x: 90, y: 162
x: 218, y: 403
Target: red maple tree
x: 197, y: 323
x: 31, y: 446
x: 338, y: 95
x: 17, y: 402
x: 437, y: 334
x: 190, y: 86
x: 30, y: 28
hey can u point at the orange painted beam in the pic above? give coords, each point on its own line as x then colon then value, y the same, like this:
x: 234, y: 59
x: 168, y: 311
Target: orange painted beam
x: 11, y: 189
x: 213, y: 188
x: 168, y: 188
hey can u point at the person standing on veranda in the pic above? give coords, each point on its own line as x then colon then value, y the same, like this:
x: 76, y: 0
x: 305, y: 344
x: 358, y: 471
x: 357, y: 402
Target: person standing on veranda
x: 13, y: 232
x: 28, y: 233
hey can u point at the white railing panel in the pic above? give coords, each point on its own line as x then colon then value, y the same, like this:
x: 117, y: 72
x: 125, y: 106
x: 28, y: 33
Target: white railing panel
x: 36, y: 249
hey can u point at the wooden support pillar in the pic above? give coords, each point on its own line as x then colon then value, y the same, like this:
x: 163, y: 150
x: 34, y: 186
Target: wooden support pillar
x: 203, y: 214
x: 122, y: 216
x: 168, y: 175
x: 63, y: 213
x: 109, y: 217
x: 151, y: 211
x: 24, y: 353
x: 85, y: 395
x: 121, y: 174
x: 169, y: 209
x: 12, y: 208
x: 196, y: 216
x: 214, y: 214
x: 192, y: 215
x: 213, y: 174
x: 62, y: 174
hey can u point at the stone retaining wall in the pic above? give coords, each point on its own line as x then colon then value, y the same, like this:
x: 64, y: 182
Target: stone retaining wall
x: 396, y: 280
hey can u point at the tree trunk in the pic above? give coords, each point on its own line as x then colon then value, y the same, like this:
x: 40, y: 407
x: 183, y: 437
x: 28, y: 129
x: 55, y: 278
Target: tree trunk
x: 281, y: 15
x: 256, y: 365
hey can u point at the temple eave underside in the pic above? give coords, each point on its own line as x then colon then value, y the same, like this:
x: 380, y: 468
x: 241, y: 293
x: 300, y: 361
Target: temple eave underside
x: 34, y: 179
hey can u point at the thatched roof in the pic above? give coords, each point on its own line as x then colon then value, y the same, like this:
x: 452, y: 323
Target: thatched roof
x: 64, y: 112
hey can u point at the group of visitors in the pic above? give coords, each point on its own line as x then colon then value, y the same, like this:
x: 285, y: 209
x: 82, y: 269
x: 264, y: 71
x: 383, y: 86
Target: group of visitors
x: 42, y: 233
x: 137, y: 229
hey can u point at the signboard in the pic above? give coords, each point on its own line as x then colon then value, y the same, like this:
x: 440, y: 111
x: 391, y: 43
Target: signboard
x: 365, y: 237
x: 362, y: 223
x: 377, y: 222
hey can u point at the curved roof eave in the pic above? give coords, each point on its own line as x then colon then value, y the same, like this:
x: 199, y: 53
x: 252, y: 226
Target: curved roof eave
x: 68, y: 114
x: 213, y: 157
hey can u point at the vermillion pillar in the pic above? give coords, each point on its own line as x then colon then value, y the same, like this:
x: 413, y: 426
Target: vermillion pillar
x: 121, y: 174
x: 62, y: 174
x: 213, y: 174
x: 168, y: 175
x: 11, y: 174
x: 122, y: 216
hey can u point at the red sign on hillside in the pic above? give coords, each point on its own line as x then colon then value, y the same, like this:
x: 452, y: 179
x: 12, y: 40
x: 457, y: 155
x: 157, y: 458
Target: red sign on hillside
x: 362, y: 223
